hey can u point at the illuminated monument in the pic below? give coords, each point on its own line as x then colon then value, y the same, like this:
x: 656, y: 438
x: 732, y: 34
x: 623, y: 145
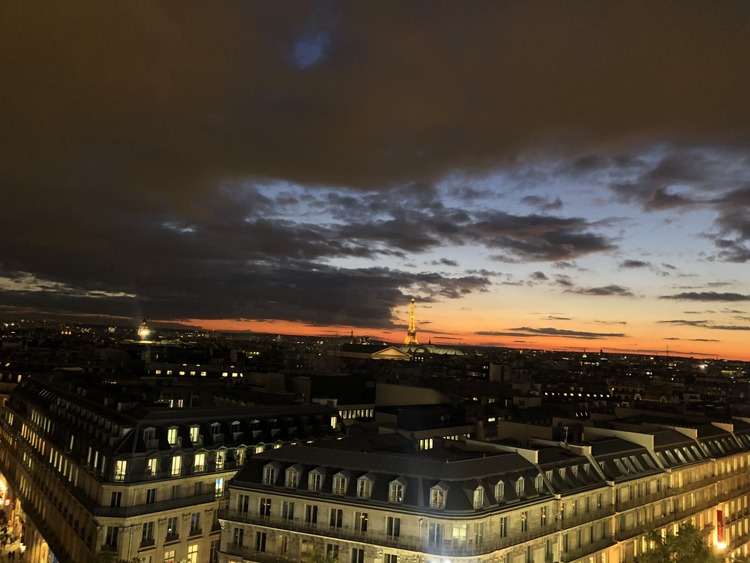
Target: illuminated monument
x: 143, y: 330
x: 415, y: 349
x: 411, y: 332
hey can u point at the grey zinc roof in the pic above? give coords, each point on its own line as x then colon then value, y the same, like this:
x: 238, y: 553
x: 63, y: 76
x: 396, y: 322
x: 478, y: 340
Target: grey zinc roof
x: 399, y: 464
x: 664, y: 439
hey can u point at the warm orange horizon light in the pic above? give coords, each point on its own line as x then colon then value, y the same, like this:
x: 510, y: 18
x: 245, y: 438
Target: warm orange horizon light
x: 648, y: 345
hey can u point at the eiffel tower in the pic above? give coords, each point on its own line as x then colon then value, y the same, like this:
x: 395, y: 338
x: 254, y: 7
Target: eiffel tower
x: 411, y: 332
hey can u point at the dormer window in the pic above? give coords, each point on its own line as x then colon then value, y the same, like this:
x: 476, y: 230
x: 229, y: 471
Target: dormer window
x: 539, y: 483
x: 396, y: 491
x: 500, y: 491
x: 149, y: 436
x: 292, y: 477
x: 562, y: 473
x: 314, y: 480
x: 437, y: 496
x: 236, y: 428
x: 478, y: 498
x: 199, y: 462
x: 215, y: 429
x: 520, y: 487
x: 269, y: 474
x: 195, y: 436
x: 364, y: 487
x: 121, y: 467
x: 340, y: 483
x: 176, y: 466
x: 172, y: 436
x: 221, y: 457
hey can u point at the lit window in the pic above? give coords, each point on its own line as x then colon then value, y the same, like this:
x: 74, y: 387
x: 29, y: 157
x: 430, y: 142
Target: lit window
x: 121, y: 467
x: 152, y: 467
x: 339, y: 485
x: 200, y: 462
x: 437, y: 497
x: 500, y: 491
x: 195, y: 434
x: 364, y: 487
x: 478, y: 500
x: 172, y: 436
x: 520, y: 487
x: 396, y: 492
x: 176, y: 465
x: 221, y: 456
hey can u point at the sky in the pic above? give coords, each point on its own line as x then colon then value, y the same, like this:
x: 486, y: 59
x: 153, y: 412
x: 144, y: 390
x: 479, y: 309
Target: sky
x: 557, y: 175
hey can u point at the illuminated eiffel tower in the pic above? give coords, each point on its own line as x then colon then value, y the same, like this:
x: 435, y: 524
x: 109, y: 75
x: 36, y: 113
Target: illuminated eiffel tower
x: 411, y: 332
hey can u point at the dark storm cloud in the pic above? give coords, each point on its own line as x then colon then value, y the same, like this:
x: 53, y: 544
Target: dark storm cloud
x: 299, y: 291
x: 634, y: 264
x: 707, y: 296
x: 543, y: 203
x: 396, y: 117
x: 734, y: 226
x: 545, y: 332
x: 419, y: 221
x: 651, y: 198
x: 563, y: 280
x: 131, y: 132
x: 537, y: 237
x: 684, y: 179
x: 444, y: 262
x: 539, y: 276
x: 603, y: 291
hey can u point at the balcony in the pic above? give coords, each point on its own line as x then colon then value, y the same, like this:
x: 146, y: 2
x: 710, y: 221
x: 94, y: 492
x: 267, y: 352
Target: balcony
x: 247, y: 553
x: 585, y: 550
x: 573, y: 521
x: 622, y: 506
x: 137, y: 510
x: 147, y: 544
x: 464, y: 548
x: 696, y: 484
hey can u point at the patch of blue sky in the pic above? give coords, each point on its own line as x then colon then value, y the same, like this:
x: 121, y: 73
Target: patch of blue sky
x: 310, y: 50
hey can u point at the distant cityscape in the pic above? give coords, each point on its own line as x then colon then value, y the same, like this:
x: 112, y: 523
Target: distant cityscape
x: 147, y: 445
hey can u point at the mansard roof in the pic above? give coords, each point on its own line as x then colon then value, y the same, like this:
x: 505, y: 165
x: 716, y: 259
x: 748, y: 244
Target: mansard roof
x: 417, y: 473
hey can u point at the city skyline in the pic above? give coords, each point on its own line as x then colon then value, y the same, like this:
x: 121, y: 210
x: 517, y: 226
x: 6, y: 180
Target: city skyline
x: 552, y: 176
